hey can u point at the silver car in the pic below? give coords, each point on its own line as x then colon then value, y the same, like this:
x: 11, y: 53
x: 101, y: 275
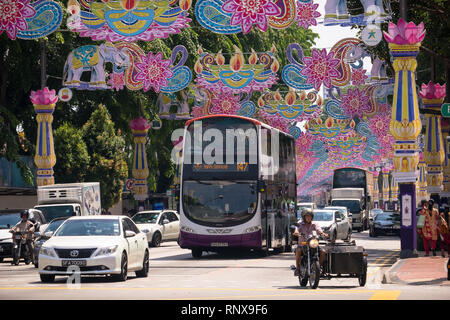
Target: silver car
x: 334, y: 223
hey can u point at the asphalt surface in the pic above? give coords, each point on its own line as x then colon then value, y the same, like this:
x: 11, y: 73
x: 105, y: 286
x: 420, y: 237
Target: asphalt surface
x: 174, y: 274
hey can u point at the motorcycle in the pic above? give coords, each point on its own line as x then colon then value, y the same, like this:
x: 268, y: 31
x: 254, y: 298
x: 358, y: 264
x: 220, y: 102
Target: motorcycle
x: 309, y: 263
x: 20, y: 240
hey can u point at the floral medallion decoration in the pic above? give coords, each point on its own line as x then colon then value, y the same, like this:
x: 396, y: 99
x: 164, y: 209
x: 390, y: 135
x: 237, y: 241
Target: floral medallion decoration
x: 234, y: 16
x: 307, y: 14
x: 359, y: 77
x: 25, y: 20
x: 236, y: 77
x: 128, y: 20
x: 320, y: 68
x: 293, y: 106
x: 153, y: 71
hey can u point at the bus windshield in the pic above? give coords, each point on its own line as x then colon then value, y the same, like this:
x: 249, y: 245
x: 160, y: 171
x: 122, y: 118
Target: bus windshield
x: 354, y: 206
x: 219, y: 203
x: 349, y: 178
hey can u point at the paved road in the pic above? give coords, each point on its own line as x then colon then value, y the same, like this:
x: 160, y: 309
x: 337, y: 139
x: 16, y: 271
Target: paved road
x: 174, y: 274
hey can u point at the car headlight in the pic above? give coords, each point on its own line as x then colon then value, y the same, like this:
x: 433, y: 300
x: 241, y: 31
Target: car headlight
x: 48, y: 252
x: 6, y: 240
x: 106, y: 251
x: 313, y: 243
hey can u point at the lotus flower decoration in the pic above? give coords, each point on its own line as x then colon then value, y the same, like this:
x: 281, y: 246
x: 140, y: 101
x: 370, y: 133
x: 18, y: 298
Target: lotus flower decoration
x: 43, y: 97
x: 139, y: 124
x: 404, y: 33
x: 432, y: 91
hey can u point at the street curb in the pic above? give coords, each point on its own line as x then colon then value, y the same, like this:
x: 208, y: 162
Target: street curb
x: 390, y: 276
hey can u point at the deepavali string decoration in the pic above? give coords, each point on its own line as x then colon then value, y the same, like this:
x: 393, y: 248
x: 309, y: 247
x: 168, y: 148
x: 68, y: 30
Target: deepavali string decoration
x: 215, y: 75
x: 336, y: 13
x: 234, y: 16
x: 24, y: 20
x: 306, y: 13
x: 128, y: 20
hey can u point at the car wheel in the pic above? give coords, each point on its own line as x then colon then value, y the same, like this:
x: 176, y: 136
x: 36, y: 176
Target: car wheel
x: 349, y: 236
x: 374, y: 233
x: 143, y: 273
x: 197, y: 253
x: 363, y: 277
x: 47, y: 278
x: 334, y: 238
x: 156, y: 240
x: 123, y: 269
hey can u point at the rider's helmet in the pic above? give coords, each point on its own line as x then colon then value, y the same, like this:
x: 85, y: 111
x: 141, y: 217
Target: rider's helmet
x: 24, y: 212
x: 307, y: 211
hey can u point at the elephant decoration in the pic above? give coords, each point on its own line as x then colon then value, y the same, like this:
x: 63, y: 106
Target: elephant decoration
x: 93, y: 58
x: 336, y: 13
x: 378, y: 71
x: 165, y: 101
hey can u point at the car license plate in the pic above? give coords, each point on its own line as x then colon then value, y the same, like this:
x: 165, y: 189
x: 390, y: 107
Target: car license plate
x: 219, y: 244
x: 80, y: 263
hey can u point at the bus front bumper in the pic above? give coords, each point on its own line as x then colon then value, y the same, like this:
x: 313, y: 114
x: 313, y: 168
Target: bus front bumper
x: 192, y: 240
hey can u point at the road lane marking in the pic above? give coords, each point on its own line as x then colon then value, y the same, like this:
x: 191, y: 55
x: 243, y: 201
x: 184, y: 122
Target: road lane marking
x: 385, y: 295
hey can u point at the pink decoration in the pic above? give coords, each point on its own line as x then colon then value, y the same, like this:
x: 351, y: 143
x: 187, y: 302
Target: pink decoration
x: 320, y: 68
x: 355, y: 102
x: 307, y: 14
x: 43, y: 97
x: 225, y: 103
x: 432, y: 91
x: 139, y: 124
x: 12, y: 16
x: 379, y: 125
x: 197, y: 112
x: 116, y: 81
x: 359, y: 77
x: 405, y: 33
x: 249, y: 12
x: 153, y: 71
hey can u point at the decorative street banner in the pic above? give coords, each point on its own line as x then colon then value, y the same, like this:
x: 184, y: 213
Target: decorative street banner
x: 236, y: 77
x: 128, y: 20
x: 28, y: 21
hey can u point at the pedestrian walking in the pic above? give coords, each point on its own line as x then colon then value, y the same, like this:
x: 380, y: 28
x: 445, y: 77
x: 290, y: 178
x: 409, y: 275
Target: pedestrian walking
x: 429, y: 231
x: 444, y: 234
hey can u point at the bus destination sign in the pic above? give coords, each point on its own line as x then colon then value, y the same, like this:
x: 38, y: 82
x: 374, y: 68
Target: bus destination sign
x: 239, y: 167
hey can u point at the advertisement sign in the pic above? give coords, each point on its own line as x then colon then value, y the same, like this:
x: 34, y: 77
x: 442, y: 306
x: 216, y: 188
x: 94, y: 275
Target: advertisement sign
x: 406, y: 210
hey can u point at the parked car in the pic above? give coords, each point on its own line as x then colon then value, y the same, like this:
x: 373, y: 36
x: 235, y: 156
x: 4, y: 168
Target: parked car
x: 344, y: 210
x: 98, y: 245
x: 8, y: 219
x: 373, y: 213
x: 44, y: 236
x: 334, y: 223
x: 387, y: 222
x: 158, y: 225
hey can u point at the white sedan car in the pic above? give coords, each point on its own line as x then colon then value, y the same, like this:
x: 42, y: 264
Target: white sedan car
x: 334, y: 223
x: 97, y: 245
x: 158, y: 225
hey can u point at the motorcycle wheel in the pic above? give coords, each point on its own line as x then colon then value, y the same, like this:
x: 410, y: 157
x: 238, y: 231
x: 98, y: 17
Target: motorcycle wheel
x: 363, y: 277
x: 303, y: 278
x: 314, y: 277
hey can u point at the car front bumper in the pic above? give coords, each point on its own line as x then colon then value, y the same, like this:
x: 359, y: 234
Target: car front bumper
x: 6, y: 249
x: 110, y: 264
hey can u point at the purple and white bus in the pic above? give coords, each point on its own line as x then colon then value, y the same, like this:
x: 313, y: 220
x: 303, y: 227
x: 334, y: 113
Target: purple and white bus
x: 237, y: 187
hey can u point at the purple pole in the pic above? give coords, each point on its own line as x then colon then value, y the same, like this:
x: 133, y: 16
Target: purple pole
x: 408, y: 229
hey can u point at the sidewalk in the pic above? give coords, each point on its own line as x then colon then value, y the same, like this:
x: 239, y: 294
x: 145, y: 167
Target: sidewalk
x: 418, y: 271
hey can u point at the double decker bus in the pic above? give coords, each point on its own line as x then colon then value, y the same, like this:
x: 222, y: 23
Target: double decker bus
x: 350, y: 180
x: 237, y: 187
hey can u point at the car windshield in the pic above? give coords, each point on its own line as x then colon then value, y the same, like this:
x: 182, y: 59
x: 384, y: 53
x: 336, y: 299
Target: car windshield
x: 352, y: 205
x: 219, y: 202
x: 323, y: 216
x: 387, y: 217
x: 147, y: 217
x: 9, y: 220
x: 89, y: 227
x: 51, y: 213
x: 54, y: 225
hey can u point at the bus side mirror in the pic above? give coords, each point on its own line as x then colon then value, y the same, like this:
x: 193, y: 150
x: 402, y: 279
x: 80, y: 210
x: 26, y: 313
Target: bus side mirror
x: 261, y: 186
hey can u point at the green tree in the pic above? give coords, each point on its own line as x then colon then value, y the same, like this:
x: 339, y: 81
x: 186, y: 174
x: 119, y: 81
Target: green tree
x: 107, y: 163
x: 72, y: 158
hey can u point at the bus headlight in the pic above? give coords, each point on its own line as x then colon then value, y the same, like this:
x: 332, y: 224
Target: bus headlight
x: 252, y: 229
x: 313, y: 243
x: 187, y: 229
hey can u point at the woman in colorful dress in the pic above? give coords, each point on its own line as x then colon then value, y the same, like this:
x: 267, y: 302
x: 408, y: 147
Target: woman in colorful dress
x: 430, y: 230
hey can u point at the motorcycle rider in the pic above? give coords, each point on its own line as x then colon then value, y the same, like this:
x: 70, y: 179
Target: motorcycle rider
x: 25, y: 226
x: 304, y: 231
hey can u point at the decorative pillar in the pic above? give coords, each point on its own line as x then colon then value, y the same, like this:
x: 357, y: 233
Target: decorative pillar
x: 375, y: 189
x: 385, y: 172
x: 422, y: 183
x: 433, y: 96
x: 446, y: 182
x: 404, y: 42
x: 139, y: 128
x: 394, y: 192
x: 44, y: 102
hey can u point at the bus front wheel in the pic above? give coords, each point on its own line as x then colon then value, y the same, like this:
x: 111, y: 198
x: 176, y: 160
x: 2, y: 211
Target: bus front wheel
x: 197, y: 253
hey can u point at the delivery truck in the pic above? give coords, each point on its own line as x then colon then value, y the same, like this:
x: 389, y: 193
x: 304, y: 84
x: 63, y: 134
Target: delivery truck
x: 69, y: 199
x: 354, y: 200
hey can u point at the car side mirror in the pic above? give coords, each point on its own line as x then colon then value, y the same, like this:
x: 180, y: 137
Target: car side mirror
x: 165, y: 221
x: 338, y: 220
x: 48, y: 234
x: 129, y: 234
x: 37, y: 226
